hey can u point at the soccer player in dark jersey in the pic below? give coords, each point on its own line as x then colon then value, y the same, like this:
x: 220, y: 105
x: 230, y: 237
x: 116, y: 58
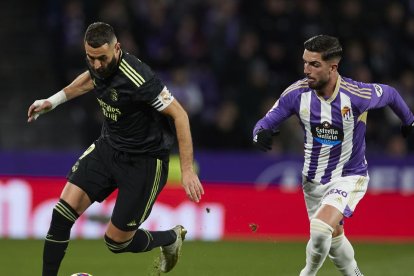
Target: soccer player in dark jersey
x: 332, y: 110
x: 131, y: 154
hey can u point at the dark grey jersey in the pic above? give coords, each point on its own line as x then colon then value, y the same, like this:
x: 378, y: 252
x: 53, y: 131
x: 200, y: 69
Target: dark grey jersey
x: 132, y: 123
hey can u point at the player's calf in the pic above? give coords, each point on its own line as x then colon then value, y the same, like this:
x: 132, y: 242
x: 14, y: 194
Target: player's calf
x: 142, y: 241
x: 318, y: 246
x: 57, y: 238
x: 342, y: 255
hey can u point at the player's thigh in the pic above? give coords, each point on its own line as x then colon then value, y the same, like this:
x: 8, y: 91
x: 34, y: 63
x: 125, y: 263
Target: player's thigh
x: 338, y: 230
x: 92, y: 174
x: 345, y: 193
x: 313, y: 193
x: 329, y: 214
x: 75, y: 197
x: 139, y: 184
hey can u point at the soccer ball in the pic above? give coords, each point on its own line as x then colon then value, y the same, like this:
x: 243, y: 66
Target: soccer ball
x: 81, y: 274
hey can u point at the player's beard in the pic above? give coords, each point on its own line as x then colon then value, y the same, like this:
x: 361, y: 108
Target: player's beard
x: 318, y: 85
x: 108, y: 70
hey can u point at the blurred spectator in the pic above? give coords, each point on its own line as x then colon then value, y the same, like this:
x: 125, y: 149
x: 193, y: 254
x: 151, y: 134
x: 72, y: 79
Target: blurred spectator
x: 382, y: 60
x: 190, y: 43
x: 222, y: 29
x: 186, y: 91
x: 354, y: 57
x: 396, y: 146
x: 66, y: 23
x: 241, y: 59
x: 225, y: 132
x: 115, y: 13
x: 406, y: 54
x: 311, y: 20
x: 253, y: 90
x: 349, y: 20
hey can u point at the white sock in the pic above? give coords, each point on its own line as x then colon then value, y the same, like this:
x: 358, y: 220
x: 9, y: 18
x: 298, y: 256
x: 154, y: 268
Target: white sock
x: 343, y: 256
x: 318, y: 246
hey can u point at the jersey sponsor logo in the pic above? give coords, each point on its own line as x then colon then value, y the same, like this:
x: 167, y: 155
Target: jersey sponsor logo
x: 113, y: 95
x: 346, y: 113
x: 378, y: 90
x: 108, y: 111
x: 327, y: 134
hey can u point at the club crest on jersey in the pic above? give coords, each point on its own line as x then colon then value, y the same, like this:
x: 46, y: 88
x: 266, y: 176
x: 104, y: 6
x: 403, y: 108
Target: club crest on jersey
x: 114, y: 95
x: 346, y: 113
x: 327, y: 134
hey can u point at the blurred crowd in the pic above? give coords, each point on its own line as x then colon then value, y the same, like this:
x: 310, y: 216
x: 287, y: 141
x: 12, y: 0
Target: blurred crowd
x: 227, y: 61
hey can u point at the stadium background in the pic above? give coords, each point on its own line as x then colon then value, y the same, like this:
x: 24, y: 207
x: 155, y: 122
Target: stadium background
x: 227, y: 62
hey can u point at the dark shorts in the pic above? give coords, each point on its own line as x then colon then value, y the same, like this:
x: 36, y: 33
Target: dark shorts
x: 139, y: 179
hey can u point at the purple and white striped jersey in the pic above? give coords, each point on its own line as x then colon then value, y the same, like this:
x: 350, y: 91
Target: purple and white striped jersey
x: 334, y: 141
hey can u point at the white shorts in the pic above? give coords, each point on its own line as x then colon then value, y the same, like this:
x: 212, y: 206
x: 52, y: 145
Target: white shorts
x: 343, y: 193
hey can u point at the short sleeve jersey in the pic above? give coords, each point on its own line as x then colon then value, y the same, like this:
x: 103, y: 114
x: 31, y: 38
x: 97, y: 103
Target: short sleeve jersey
x: 334, y: 128
x: 132, y: 123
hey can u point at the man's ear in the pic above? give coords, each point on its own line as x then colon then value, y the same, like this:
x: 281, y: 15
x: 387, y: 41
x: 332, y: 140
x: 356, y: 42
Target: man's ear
x: 334, y: 67
x: 334, y: 63
x: 117, y: 47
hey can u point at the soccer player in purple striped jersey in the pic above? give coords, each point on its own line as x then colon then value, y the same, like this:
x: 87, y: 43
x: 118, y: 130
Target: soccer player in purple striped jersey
x: 332, y: 110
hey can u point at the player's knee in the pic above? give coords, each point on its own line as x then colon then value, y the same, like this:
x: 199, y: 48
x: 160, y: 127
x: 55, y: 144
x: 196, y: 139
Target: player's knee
x: 338, y: 231
x: 321, y: 233
x: 116, y: 247
x: 63, y: 218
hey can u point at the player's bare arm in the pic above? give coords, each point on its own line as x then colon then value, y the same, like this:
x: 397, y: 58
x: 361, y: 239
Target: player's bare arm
x: 190, y: 181
x: 81, y: 85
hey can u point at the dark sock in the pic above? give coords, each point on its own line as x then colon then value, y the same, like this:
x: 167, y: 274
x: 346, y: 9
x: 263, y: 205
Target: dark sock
x: 142, y: 241
x: 57, y: 238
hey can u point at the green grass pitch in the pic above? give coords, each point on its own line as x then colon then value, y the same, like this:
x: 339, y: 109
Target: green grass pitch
x: 23, y: 257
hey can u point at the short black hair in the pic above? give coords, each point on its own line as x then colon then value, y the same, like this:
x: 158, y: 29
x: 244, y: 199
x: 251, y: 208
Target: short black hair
x: 99, y: 33
x: 328, y: 46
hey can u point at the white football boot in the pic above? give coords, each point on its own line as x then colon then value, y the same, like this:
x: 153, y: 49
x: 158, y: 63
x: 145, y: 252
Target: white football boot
x: 171, y: 253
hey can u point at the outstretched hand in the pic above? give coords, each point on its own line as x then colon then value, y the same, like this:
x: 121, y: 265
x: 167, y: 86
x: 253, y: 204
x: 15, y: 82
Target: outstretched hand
x: 192, y: 186
x: 37, y: 108
x: 407, y: 129
x: 263, y: 139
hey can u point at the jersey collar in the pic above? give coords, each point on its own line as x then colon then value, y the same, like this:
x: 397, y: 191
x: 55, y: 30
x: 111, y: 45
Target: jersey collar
x: 121, y: 56
x: 334, y: 94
